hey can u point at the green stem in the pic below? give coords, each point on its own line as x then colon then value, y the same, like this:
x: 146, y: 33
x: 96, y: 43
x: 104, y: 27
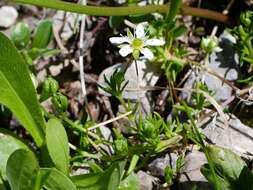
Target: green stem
x: 124, y: 11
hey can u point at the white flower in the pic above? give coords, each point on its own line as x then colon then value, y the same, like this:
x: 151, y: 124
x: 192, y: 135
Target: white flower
x: 137, y: 43
x: 210, y: 44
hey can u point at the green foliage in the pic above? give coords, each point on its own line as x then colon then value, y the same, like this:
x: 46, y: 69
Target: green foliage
x: 8, y: 144
x: 49, y: 88
x: 112, y: 161
x: 21, y: 35
x: 199, y: 99
x: 60, y: 102
x: 33, y: 46
x: 151, y: 128
x: 23, y: 173
x: 244, y: 37
x: 116, y: 84
x: 121, y: 146
x: 115, y: 21
x: 54, y: 179
x: 168, y: 175
x: 231, y: 171
x: 107, y: 180
x: 17, y: 91
x: 2, y: 185
x: 57, y: 145
x: 22, y: 169
x: 131, y: 182
x: 43, y: 35
x: 173, y: 10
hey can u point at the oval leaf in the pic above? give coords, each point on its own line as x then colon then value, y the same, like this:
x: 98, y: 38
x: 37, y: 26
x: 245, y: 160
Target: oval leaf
x: 55, y: 180
x: 57, y: 144
x: 20, y: 35
x: 21, y: 170
x: 17, y: 91
x: 43, y: 35
x: 8, y: 144
x: 229, y: 163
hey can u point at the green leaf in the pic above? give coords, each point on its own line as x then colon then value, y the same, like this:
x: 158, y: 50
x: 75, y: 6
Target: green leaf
x: 21, y: 170
x: 8, y: 144
x: 115, y: 21
x: 17, y: 90
x: 57, y: 145
x: 108, y: 180
x: 21, y: 35
x: 228, y: 163
x: 231, y: 171
x: 35, y: 53
x: 131, y: 182
x: 179, y: 31
x: 245, y: 180
x: 43, y: 35
x: 53, y: 179
x: 224, y: 185
x: 164, y: 144
x: 246, y: 80
x: 174, y: 7
x: 89, y: 181
x: 2, y: 185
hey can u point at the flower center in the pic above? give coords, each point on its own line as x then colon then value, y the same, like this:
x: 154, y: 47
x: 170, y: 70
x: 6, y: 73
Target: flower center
x: 137, y: 43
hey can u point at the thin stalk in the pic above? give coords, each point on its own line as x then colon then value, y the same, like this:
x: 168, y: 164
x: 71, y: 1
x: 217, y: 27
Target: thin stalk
x: 124, y: 11
x: 203, y: 146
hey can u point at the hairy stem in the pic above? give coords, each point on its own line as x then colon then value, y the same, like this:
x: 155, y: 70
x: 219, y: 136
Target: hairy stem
x: 124, y: 11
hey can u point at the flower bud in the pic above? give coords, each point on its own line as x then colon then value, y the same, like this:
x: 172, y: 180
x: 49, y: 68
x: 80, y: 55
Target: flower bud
x: 49, y: 88
x: 121, y: 146
x: 60, y: 102
x: 246, y: 18
x: 210, y: 44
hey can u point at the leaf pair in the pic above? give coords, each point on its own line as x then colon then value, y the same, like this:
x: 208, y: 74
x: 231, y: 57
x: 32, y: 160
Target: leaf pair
x: 23, y: 173
x: 21, y: 35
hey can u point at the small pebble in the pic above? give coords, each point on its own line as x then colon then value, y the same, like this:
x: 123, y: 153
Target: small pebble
x: 8, y: 16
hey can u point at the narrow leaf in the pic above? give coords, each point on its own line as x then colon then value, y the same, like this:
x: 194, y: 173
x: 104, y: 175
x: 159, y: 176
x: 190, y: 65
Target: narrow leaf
x: 169, y: 143
x: 174, y: 7
x: 17, y: 91
x: 57, y: 144
x: 21, y: 170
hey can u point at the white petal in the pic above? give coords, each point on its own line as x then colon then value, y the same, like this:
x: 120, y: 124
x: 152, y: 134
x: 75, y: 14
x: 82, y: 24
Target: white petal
x: 154, y: 42
x: 125, y: 50
x: 139, y: 31
x: 119, y: 40
x: 147, y: 53
x: 218, y: 49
